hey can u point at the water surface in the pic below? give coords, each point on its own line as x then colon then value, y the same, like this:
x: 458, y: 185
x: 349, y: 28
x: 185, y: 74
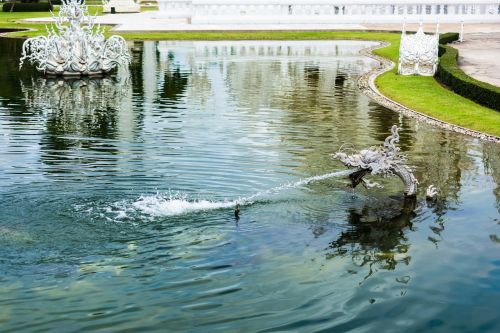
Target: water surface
x: 117, y: 198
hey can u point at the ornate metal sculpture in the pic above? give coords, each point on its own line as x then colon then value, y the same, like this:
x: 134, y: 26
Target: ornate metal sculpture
x: 75, y: 49
x: 418, y: 53
x: 385, y: 161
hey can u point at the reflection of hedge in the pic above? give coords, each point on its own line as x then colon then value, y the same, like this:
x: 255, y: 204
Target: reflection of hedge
x: 452, y: 76
x: 27, y: 7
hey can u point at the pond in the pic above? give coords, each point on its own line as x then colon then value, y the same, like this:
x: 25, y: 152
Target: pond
x: 117, y: 200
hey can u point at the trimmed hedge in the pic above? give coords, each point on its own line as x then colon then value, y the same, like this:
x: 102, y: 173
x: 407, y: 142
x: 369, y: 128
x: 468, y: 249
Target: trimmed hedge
x: 452, y: 76
x: 27, y: 7
x: 448, y: 37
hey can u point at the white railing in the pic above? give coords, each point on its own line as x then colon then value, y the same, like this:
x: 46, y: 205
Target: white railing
x: 176, y: 8
x: 330, y: 11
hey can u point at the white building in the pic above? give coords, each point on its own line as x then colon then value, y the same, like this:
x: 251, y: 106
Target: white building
x: 330, y: 11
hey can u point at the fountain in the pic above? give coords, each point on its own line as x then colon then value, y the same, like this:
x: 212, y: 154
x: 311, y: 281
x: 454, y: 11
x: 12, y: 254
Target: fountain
x: 385, y: 161
x: 75, y: 49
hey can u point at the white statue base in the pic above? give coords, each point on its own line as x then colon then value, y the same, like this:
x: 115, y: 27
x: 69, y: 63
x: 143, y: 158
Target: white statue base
x: 121, y: 6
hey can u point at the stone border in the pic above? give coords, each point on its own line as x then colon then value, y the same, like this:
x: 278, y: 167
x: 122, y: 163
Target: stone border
x: 366, y: 84
x: 7, y: 31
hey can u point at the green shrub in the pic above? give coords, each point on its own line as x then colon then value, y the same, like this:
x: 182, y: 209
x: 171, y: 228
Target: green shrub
x: 452, y: 76
x: 27, y: 7
x: 448, y: 37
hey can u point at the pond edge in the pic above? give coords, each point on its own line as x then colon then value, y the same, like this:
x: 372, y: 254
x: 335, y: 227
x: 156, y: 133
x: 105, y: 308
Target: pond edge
x: 366, y: 83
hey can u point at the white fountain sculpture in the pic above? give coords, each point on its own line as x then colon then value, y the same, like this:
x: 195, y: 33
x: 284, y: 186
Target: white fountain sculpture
x: 418, y: 53
x: 385, y: 161
x: 75, y: 49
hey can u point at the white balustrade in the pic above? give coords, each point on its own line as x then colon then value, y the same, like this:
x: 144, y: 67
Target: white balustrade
x: 330, y: 11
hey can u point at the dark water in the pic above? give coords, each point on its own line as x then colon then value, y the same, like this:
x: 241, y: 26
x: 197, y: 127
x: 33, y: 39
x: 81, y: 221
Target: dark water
x: 117, y: 196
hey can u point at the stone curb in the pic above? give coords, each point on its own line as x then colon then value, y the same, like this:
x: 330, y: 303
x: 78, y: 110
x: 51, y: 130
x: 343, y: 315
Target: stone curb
x: 366, y: 84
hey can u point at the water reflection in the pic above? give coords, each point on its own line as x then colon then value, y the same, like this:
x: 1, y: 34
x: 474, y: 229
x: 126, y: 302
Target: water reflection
x: 491, y: 160
x: 375, y: 237
x: 77, y: 112
x: 77, y: 95
x: 220, y: 121
x: 174, y: 85
x: 311, y: 103
x: 309, y: 93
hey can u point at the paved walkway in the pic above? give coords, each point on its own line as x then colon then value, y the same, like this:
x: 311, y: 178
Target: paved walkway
x: 479, y: 56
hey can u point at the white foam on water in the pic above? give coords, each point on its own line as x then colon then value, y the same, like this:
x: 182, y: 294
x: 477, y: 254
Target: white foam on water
x: 172, y: 204
x: 161, y: 205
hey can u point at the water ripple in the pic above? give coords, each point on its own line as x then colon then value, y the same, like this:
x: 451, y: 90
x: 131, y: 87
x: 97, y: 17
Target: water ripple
x: 117, y: 199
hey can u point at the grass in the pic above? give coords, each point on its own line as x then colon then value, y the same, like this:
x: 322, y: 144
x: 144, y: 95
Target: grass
x: 148, y: 8
x: 12, y: 21
x: 426, y: 95
x: 261, y: 35
x: 423, y: 94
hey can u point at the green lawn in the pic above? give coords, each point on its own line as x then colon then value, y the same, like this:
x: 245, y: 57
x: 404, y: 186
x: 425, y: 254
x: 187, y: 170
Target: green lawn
x: 423, y: 94
x: 428, y: 96
x: 11, y: 20
x: 148, y: 8
x: 264, y: 35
